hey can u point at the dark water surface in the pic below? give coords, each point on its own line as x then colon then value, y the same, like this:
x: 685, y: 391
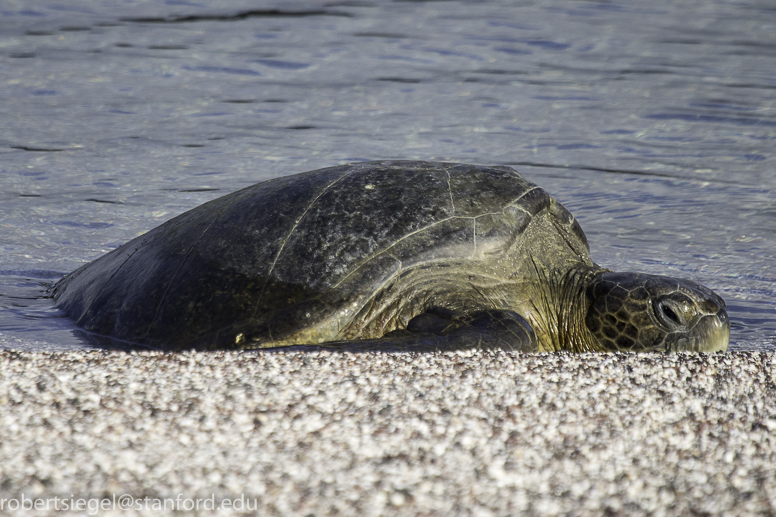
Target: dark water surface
x: 654, y: 123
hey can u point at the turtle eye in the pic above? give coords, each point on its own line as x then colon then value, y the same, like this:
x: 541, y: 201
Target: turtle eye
x: 668, y: 314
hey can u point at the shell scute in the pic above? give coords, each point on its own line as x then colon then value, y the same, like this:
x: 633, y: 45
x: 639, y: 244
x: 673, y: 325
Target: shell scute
x: 471, y: 199
x: 350, y: 223
x: 534, y: 201
x: 496, y: 233
x: 444, y: 240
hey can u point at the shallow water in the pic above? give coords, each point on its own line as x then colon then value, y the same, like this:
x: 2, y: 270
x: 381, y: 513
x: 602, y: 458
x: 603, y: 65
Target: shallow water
x: 653, y: 124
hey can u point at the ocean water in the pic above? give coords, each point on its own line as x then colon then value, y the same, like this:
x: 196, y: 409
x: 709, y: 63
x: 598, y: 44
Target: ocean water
x: 653, y: 123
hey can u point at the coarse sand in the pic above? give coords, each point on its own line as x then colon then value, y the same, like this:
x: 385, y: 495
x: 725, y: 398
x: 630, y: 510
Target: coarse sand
x: 325, y: 433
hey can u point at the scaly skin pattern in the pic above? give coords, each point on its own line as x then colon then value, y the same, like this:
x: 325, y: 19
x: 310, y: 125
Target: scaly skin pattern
x: 646, y: 313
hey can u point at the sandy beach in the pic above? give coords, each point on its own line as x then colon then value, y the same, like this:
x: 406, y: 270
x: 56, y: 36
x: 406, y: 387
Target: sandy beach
x: 467, y: 433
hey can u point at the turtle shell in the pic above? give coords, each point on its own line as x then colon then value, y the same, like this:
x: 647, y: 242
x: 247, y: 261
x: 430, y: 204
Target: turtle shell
x: 308, y: 258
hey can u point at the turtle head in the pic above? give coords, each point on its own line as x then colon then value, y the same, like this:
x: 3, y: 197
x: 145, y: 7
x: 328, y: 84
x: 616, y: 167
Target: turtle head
x: 647, y: 313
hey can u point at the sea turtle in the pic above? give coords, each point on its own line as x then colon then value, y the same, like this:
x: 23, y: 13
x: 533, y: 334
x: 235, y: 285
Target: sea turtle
x: 406, y: 255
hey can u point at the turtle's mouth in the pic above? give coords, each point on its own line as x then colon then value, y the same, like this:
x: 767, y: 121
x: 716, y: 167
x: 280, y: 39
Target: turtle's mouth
x: 711, y: 334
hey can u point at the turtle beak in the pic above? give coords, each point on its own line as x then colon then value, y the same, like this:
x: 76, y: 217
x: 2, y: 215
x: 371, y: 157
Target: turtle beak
x: 714, y: 330
x: 717, y: 328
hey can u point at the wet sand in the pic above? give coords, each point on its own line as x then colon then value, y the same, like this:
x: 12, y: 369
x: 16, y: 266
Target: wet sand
x: 468, y: 433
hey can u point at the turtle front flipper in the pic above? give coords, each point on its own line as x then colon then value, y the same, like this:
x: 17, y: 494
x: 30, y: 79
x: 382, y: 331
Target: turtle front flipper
x: 440, y: 330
